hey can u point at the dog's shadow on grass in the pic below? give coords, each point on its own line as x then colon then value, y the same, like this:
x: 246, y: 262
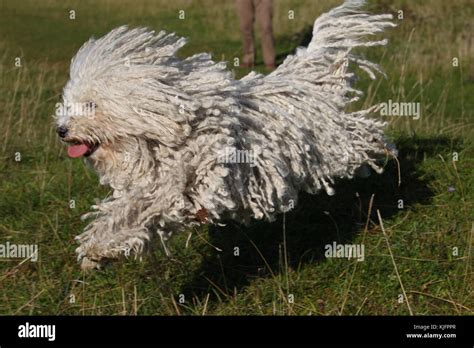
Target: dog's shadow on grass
x: 316, y: 221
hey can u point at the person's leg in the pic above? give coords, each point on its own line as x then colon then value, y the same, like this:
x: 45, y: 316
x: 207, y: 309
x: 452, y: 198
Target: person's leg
x: 245, y: 10
x: 264, y: 12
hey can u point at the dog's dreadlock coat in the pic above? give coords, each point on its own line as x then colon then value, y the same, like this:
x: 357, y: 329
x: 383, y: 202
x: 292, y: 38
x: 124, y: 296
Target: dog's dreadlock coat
x: 163, y: 128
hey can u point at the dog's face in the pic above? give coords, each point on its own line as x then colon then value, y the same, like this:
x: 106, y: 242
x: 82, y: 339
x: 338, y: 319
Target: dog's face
x: 86, y: 127
x: 77, y: 126
x: 124, y: 88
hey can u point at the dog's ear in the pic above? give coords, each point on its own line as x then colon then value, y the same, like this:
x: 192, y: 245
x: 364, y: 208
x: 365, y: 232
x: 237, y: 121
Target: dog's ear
x: 150, y: 110
x: 153, y: 107
x: 167, y: 122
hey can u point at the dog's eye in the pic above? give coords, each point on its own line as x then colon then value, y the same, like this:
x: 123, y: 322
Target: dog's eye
x: 91, y: 105
x: 89, y: 108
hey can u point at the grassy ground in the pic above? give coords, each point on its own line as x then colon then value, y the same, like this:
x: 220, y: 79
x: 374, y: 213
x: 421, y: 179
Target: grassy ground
x: 281, y: 268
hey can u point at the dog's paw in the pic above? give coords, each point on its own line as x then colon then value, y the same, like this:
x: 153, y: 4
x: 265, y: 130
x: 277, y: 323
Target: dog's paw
x: 89, y: 260
x: 89, y: 264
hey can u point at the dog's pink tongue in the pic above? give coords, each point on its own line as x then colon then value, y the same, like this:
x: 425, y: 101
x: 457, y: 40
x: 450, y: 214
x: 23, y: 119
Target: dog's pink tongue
x: 77, y: 150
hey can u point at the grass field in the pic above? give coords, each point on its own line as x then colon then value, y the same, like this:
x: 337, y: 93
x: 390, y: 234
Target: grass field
x: 424, y: 245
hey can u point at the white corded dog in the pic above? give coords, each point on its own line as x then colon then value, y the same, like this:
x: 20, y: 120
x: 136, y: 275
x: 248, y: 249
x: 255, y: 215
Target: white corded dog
x: 182, y: 143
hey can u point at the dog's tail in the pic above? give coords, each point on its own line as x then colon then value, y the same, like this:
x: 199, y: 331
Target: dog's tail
x: 327, y: 57
x: 335, y: 35
x: 345, y: 27
x: 301, y: 106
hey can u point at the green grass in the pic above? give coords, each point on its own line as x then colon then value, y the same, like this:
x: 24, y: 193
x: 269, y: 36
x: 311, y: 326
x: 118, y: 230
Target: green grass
x: 278, y: 261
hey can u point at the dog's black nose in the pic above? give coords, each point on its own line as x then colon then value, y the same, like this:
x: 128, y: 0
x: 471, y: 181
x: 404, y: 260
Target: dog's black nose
x: 62, y: 131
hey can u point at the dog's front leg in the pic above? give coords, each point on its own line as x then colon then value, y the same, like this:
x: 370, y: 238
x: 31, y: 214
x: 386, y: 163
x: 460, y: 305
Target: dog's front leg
x: 125, y: 224
x: 114, y: 233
